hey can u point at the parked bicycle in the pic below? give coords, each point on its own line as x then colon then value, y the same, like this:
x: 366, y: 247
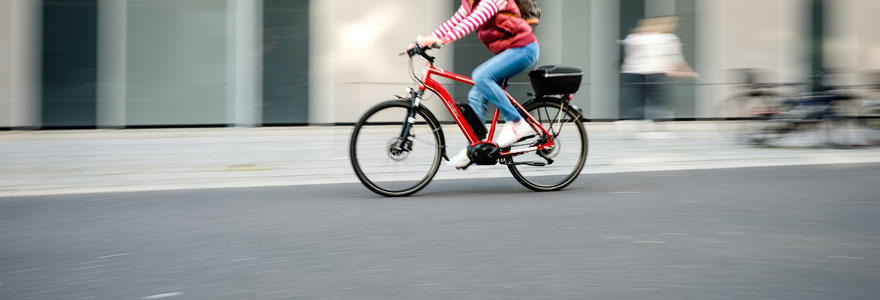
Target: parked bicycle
x: 397, y: 146
x: 763, y: 113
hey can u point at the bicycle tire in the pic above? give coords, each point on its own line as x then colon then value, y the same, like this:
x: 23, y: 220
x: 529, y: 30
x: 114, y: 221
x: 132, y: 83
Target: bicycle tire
x: 842, y: 124
x: 745, y: 119
x: 553, y: 177
x: 384, y: 179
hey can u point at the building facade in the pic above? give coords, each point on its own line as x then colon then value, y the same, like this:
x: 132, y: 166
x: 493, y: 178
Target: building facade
x: 173, y: 63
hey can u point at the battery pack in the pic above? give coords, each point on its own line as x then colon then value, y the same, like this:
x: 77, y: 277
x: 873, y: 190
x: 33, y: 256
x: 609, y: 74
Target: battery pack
x: 475, y: 122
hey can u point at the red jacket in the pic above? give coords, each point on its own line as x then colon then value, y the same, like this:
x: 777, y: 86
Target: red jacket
x: 507, y: 29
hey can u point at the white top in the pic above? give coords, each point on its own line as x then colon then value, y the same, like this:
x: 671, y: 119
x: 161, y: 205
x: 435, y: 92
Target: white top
x: 651, y: 53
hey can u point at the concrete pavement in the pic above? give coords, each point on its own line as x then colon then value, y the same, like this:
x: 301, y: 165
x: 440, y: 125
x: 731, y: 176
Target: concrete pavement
x: 797, y: 232
x: 87, y: 161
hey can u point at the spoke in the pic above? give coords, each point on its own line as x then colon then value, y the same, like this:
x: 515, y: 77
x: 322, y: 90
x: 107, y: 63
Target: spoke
x: 556, y: 123
x: 424, y: 141
x: 559, y: 114
x: 548, y: 118
x: 573, y: 120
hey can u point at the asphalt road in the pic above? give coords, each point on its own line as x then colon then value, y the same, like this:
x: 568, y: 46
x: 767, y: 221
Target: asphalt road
x: 806, y: 232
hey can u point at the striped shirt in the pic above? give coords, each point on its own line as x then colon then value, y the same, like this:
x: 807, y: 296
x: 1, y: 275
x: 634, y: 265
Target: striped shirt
x: 461, y: 24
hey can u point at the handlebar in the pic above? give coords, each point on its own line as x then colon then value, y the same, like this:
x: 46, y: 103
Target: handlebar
x: 422, y: 51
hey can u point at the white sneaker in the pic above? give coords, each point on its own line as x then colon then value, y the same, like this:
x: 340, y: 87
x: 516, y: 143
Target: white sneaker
x: 460, y: 160
x: 512, y: 132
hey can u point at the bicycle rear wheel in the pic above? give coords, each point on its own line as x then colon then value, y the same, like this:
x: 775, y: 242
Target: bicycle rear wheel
x: 843, y: 125
x: 746, y: 119
x: 568, y: 155
x: 376, y: 159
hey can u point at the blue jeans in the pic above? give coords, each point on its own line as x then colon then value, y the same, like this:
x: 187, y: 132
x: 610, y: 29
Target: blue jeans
x: 490, y: 74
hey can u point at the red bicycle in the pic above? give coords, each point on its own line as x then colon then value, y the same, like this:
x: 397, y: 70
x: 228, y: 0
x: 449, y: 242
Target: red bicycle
x: 397, y: 146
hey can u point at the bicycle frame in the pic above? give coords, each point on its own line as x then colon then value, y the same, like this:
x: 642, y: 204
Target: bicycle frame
x: 436, y: 87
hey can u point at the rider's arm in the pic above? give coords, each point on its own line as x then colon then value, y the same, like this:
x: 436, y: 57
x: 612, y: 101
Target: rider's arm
x: 482, y: 13
x: 675, y: 58
x: 444, y: 29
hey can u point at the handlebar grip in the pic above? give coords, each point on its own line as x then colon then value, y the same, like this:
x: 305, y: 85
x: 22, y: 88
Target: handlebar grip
x: 412, y: 52
x: 419, y: 50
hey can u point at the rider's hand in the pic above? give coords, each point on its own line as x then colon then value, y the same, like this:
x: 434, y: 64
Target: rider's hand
x: 429, y: 41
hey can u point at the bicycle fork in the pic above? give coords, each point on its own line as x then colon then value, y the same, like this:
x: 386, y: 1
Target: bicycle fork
x: 405, y: 141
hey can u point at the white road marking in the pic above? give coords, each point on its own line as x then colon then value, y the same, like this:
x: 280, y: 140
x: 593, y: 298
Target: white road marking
x: 165, y: 295
x: 846, y: 257
x: 618, y: 237
x: 114, y: 255
x: 91, y: 267
x: 245, y: 259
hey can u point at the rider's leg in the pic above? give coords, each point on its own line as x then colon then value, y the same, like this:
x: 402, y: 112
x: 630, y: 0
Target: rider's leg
x: 478, y: 103
x: 487, y: 78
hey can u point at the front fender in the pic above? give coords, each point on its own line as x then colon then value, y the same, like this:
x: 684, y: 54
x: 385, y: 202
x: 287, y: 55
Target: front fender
x: 429, y: 116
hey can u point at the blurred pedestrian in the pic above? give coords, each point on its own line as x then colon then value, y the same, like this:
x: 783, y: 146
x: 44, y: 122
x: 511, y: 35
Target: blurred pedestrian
x: 653, y: 56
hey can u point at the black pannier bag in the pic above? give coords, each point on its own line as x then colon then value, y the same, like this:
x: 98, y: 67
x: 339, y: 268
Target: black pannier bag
x: 556, y: 80
x: 471, y: 116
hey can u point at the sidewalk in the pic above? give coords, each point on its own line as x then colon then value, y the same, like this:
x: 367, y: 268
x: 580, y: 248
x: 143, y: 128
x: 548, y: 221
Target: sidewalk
x: 87, y: 161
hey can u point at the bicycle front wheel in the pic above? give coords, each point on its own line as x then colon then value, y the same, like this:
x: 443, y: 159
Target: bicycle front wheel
x: 554, y: 168
x: 388, y: 164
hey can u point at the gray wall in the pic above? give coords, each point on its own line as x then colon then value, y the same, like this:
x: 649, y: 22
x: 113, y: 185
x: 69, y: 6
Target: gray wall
x: 683, y: 92
x: 852, y: 39
x: 172, y: 62
x: 565, y: 38
x: 773, y: 39
x: 348, y: 80
x: 69, y: 64
x: 354, y: 46
x: 6, y: 64
x: 19, y: 68
x: 285, y: 62
x: 178, y: 62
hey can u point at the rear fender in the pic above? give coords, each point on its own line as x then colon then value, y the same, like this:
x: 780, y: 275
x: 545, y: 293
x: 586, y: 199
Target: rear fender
x: 556, y: 101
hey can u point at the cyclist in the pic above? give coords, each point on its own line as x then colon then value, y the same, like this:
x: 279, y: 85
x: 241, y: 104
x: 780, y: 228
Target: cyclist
x: 502, y: 29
